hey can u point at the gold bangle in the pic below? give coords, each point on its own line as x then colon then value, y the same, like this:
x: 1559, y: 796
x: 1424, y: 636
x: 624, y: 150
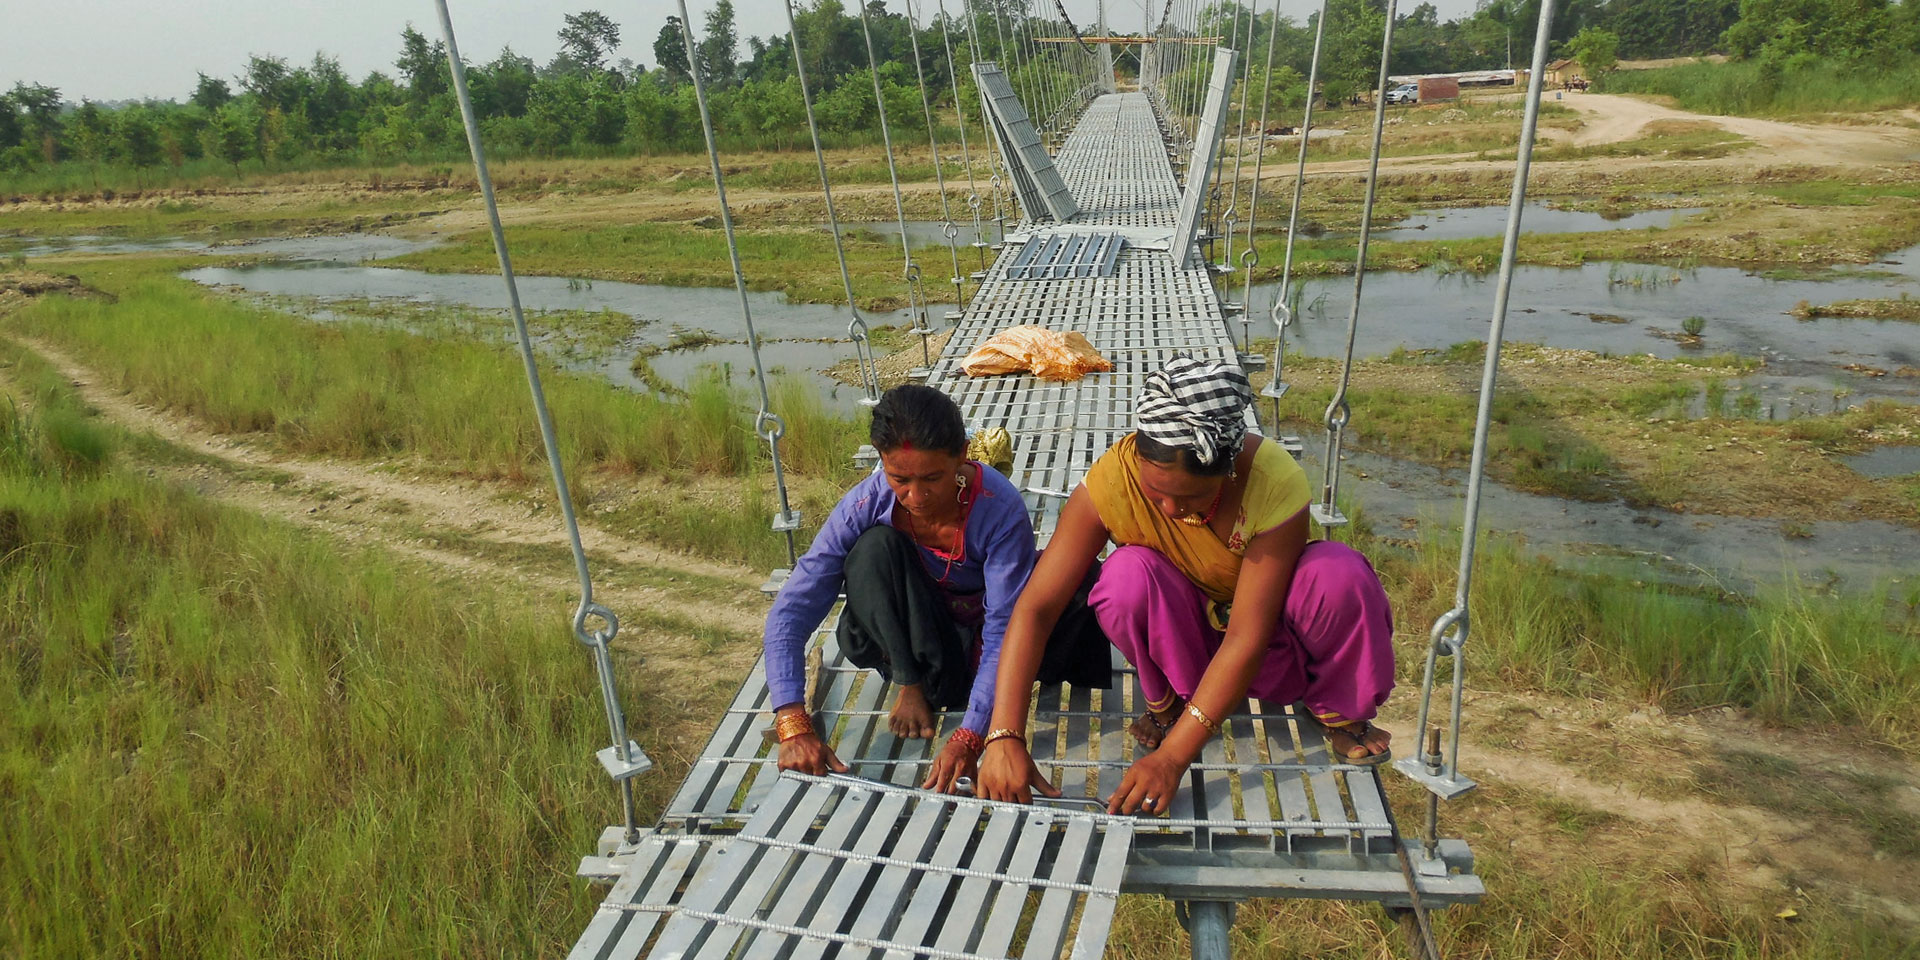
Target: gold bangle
x: 1201, y: 715
x: 787, y: 726
x: 1004, y: 733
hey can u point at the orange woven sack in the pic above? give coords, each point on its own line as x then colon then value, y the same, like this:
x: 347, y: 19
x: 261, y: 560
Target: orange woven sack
x: 1050, y: 354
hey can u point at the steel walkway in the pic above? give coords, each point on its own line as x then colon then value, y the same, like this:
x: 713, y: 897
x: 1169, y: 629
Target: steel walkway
x: 1265, y: 812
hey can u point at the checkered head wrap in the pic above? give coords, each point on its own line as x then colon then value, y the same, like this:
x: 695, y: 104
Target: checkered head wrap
x: 1200, y: 405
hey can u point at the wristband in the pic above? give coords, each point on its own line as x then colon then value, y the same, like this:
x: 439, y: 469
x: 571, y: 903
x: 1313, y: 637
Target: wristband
x: 787, y: 726
x: 1007, y: 733
x: 1201, y: 715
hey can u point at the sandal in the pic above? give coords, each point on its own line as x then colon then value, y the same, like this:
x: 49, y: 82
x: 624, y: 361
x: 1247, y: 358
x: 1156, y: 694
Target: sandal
x: 1357, y: 732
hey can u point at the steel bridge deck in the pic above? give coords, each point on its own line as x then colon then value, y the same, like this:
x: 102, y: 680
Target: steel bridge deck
x: 1265, y: 812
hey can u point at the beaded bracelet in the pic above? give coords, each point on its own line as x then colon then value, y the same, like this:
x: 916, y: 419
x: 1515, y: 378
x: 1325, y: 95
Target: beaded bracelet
x: 787, y: 726
x: 1201, y: 715
x: 968, y: 740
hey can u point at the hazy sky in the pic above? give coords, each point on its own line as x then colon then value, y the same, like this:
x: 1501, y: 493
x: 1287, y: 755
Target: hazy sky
x: 124, y: 49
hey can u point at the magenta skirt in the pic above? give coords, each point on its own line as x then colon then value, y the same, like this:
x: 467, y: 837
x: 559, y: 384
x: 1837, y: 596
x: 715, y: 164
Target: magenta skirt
x: 1332, y: 649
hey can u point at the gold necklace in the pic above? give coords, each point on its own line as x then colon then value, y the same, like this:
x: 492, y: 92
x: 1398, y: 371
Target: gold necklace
x: 1193, y: 519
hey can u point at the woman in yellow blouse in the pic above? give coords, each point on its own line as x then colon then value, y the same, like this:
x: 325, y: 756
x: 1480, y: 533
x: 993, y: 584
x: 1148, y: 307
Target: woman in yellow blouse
x: 1213, y: 593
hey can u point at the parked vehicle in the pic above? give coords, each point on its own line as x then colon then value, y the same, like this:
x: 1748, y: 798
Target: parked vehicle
x: 1404, y: 93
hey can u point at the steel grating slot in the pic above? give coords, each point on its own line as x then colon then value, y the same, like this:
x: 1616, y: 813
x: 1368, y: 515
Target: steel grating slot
x: 1062, y: 256
x: 826, y: 863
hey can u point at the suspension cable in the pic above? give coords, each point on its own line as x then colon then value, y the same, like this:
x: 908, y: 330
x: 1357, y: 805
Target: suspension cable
x: 966, y: 156
x: 996, y: 163
x: 766, y: 423
x: 1326, y: 511
x: 1282, y: 313
x: 857, y: 327
x: 623, y: 760
x: 1232, y: 215
x: 947, y: 227
x: 916, y: 294
x: 1449, y: 634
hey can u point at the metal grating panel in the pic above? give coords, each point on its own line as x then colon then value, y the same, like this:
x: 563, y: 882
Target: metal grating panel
x: 1206, y: 145
x: 1061, y: 256
x: 1042, y: 192
x: 827, y: 864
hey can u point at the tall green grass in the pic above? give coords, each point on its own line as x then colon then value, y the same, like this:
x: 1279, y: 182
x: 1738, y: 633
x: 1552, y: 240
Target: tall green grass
x: 1756, y: 88
x: 359, y: 391
x: 222, y: 737
x: 1790, y: 654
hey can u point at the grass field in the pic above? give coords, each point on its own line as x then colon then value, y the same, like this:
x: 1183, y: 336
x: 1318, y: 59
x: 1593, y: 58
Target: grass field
x: 220, y: 737
x: 258, y: 742
x: 1753, y: 88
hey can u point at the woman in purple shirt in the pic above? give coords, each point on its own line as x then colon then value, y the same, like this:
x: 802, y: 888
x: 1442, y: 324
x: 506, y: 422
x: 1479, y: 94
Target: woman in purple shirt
x: 932, y: 550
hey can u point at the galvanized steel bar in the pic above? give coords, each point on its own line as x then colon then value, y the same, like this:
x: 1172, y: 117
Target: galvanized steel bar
x: 627, y: 761
x: 1282, y: 312
x: 1327, y: 512
x: 1449, y: 633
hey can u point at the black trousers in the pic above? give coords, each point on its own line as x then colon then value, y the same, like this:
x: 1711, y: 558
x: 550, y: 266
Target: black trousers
x: 897, y: 622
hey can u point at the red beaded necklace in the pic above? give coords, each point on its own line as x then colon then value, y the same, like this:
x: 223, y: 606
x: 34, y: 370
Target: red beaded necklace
x: 957, y: 552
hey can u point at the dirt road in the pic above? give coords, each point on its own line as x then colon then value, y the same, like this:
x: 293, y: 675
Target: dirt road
x: 1611, y: 118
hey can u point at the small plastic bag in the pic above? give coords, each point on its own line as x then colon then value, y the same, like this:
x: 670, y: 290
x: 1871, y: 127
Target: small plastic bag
x: 993, y: 447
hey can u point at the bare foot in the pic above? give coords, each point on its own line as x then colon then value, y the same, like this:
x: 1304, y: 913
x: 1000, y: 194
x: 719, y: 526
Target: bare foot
x: 912, y: 715
x: 1372, y: 742
x: 1148, y: 732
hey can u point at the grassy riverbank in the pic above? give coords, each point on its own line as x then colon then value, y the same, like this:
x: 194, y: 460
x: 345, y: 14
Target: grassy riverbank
x: 1575, y: 424
x: 797, y: 260
x: 220, y: 737
x: 453, y: 405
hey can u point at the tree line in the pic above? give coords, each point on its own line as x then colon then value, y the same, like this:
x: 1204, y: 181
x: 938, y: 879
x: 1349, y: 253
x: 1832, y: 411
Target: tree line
x: 275, y: 114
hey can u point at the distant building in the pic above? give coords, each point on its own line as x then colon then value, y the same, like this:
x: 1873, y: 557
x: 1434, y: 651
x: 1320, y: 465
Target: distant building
x: 1562, y: 72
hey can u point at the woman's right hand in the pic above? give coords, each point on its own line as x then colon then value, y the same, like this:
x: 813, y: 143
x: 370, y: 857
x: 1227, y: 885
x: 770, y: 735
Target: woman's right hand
x: 807, y: 753
x: 1008, y: 773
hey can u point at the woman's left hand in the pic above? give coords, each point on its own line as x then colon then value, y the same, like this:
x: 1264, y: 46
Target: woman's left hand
x: 1149, y: 785
x: 956, y: 760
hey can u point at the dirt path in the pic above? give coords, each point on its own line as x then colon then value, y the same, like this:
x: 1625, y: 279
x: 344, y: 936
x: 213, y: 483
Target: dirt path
x: 1666, y: 782
x: 461, y: 528
x: 1612, y: 118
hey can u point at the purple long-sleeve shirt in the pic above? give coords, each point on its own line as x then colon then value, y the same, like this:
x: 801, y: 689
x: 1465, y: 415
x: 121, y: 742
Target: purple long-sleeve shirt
x: 998, y: 558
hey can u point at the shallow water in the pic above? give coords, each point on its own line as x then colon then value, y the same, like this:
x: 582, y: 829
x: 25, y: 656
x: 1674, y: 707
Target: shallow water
x: 1461, y: 223
x: 87, y: 243
x: 346, y: 248
x: 1745, y: 314
x: 658, y: 312
x: 1621, y: 540
x: 1897, y: 460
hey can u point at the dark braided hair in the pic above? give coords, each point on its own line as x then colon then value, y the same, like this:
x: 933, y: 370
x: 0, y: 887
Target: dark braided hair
x: 1166, y: 455
x: 920, y: 417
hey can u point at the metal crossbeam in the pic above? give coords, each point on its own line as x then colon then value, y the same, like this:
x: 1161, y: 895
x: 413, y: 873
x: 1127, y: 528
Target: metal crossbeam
x: 1206, y: 145
x: 1042, y: 193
